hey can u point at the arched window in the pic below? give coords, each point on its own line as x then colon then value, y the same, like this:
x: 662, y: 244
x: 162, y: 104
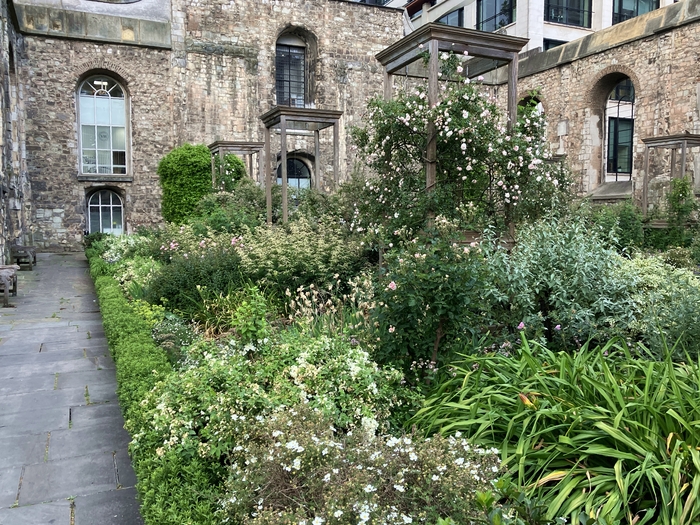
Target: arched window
x: 290, y: 71
x: 298, y: 174
x: 105, y: 213
x: 103, y: 126
x: 619, y: 112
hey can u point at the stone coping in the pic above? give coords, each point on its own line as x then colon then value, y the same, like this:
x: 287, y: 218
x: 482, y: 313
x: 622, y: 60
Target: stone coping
x: 64, y: 23
x: 644, y: 26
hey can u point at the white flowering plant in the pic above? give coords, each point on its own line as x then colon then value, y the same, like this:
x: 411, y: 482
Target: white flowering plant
x: 486, y: 172
x: 298, y: 468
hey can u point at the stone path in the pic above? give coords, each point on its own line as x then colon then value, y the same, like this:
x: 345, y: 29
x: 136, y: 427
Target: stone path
x: 63, y: 448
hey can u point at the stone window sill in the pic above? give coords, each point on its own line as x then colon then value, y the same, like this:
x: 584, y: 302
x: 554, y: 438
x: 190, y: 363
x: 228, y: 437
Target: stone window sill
x: 91, y: 177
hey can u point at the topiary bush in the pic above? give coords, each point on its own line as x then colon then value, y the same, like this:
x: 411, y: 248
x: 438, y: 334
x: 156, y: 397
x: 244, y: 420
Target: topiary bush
x: 228, y: 172
x: 185, y: 177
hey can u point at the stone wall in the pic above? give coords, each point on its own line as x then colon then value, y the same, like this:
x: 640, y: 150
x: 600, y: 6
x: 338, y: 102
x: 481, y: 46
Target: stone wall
x: 212, y: 83
x: 15, y: 196
x: 659, y: 52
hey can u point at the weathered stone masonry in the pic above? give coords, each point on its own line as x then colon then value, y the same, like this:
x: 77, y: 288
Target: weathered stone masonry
x: 205, y: 73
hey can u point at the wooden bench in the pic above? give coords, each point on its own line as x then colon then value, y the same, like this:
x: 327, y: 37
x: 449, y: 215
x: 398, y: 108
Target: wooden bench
x: 23, y: 254
x: 8, y: 281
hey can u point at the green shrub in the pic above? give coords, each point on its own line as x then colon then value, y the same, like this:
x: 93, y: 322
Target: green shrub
x: 230, y: 212
x: 298, y: 254
x: 664, y: 302
x: 185, y: 177
x: 232, y: 171
x: 429, y: 299
x: 623, y: 222
x: 597, y: 431
x: 679, y: 258
x: 176, y: 285
x: 304, y: 472
x: 172, y: 334
x: 561, y: 282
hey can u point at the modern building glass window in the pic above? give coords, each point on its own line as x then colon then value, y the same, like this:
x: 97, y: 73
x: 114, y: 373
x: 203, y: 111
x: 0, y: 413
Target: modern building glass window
x: 103, y: 126
x: 290, y: 72
x: 492, y: 15
x: 455, y: 18
x: 626, y: 9
x: 548, y: 43
x: 298, y: 174
x: 105, y: 213
x: 569, y: 12
x: 620, y: 131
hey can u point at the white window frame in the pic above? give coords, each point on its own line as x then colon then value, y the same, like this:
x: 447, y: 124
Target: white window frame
x: 111, y: 126
x: 113, y: 228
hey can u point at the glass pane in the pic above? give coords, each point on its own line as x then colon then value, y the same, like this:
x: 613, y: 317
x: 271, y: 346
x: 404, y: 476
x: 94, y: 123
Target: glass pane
x: 106, y: 219
x: 103, y: 138
x: 102, y: 110
x: 89, y: 161
x: 94, y: 219
x: 304, y: 183
x: 89, y: 137
x: 104, y: 160
x: 118, y: 139
x: 87, y: 110
x: 117, y: 219
x: 118, y: 112
x: 119, y: 158
x: 105, y: 197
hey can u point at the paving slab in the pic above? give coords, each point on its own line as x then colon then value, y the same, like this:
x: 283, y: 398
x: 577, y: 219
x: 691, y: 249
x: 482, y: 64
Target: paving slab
x: 9, y: 485
x: 65, y: 478
x: 61, y: 367
x: 108, y: 508
x: 90, y: 415
x: 45, y: 399
x: 91, y: 440
x: 34, y: 422
x: 87, y: 378
x: 22, y: 385
x: 23, y: 348
x: 21, y: 450
x: 53, y: 513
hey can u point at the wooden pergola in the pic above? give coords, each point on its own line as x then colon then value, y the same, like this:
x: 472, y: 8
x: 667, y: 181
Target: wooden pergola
x: 680, y: 142
x: 440, y: 38
x: 221, y: 148
x: 293, y: 120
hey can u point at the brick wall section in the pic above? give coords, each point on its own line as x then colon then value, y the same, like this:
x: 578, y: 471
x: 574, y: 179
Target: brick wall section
x: 213, y: 84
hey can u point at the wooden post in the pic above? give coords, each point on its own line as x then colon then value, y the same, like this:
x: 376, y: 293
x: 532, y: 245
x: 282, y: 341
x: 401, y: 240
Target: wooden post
x: 388, y: 85
x: 250, y: 164
x: 283, y: 161
x: 645, y: 182
x: 336, y: 153
x: 213, y: 168
x: 317, y: 162
x: 431, y: 154
x: 268, y: 176
x: 261, y: 169
x: 673, y: 163
x: 512, y: 91
x: 684, y: 145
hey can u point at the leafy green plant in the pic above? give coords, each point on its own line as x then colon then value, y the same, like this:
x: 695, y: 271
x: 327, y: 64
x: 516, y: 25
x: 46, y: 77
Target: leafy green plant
x: 185, y: 177
x: 428, y: 299
x: 598, y: 431
x: 623, y: 223
x: 228, y: 172
x: 172, y: 334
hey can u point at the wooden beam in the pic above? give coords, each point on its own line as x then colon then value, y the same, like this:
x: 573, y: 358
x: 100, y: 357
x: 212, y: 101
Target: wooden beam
x: 645, y: 182
x: 388, y: 85
x: 336, y: 155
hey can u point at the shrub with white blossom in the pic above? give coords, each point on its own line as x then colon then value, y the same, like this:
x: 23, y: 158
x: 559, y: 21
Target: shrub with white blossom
x: 486, y: 174
x: 297, y: 468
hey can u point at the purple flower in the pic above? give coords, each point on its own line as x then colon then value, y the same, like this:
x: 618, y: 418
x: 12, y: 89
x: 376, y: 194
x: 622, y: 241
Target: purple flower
x: 521, y: 326
x: 558, y: 327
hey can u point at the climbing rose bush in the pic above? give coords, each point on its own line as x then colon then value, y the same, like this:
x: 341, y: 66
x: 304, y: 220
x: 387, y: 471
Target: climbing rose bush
x: 486, y: 173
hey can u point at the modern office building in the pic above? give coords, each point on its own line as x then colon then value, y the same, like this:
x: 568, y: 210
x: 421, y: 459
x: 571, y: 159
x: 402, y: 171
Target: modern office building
x: 547, y: 23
